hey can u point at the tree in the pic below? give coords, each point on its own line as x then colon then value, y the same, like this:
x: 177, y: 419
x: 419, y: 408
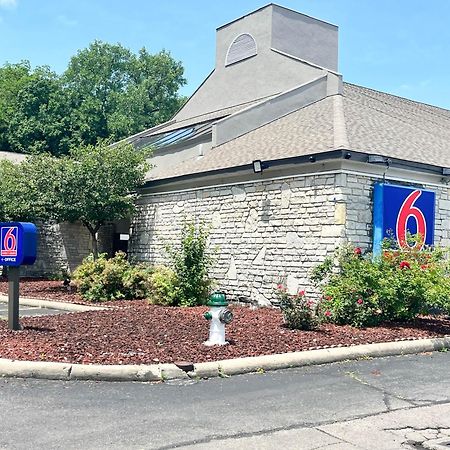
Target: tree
x: 107, y: 91
x: 98, y: 185
x: 93, y: 185
x: 34, y: 110
x: 28, y: 189
x: 41, y: 118
x: 12, y: 78
x: 116, y: 93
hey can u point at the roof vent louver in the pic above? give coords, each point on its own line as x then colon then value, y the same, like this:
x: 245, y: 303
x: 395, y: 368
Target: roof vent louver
x: 243, y: 47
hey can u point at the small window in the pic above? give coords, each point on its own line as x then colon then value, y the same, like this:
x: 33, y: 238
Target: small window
x: 243, y: 47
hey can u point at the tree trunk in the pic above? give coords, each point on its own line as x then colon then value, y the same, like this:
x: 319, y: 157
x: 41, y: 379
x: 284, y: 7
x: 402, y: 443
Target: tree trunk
x: 93, y: 231
x: 94, y: 246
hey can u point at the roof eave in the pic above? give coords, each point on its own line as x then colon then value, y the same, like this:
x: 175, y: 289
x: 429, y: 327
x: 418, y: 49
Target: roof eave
x: 341, y: 153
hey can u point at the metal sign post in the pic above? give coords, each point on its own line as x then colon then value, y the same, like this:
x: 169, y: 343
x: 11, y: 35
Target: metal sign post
x: 13, y: 298
x: 18, y: 244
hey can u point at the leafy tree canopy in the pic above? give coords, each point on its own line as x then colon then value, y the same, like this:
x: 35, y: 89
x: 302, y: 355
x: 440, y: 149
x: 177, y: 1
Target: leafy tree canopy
x: 93, y: 185
x: 107, y: 92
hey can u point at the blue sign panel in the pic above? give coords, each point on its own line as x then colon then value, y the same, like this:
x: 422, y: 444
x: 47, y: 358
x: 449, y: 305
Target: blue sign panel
x: 399, y: 210
x: 18, y: 243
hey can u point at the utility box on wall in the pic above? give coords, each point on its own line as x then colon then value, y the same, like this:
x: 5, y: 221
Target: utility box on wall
x: 402, y: 210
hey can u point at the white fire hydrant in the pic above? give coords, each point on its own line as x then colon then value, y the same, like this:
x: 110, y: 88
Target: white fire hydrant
x: 219, y: 315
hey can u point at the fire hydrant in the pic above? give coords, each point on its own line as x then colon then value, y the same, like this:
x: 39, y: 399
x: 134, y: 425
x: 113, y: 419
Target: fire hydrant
x: 219, y: 315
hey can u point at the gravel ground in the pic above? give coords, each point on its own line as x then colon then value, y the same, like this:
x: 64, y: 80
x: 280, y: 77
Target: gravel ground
x: 50, y: 290
x: 139, y: 333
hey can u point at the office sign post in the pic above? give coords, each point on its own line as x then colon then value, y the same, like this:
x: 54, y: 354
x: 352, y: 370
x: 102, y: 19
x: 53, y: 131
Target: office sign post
x: 18, y: 246
x: 402, y: 210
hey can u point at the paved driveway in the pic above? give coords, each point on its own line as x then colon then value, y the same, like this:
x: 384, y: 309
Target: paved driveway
x: 388, y: 404
x: 25, y: 311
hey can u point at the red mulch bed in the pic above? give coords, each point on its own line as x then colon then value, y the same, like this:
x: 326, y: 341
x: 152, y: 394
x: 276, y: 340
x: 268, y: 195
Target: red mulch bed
x: 44, y: 289
x: 143, y: 334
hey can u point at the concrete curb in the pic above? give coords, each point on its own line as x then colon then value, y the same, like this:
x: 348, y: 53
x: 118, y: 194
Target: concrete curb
x: 63, y: 306
x: 228, y: 367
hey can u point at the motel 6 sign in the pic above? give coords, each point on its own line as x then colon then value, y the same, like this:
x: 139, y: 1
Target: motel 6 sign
x: 399, y: 210
x: 18, y: 243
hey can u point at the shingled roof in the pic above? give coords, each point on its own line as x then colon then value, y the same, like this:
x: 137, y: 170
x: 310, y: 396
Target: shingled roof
x: 361, y: 120
x: 285, y: 102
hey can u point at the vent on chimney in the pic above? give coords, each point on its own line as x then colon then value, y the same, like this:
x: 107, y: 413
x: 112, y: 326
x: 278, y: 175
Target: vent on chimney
x: 243, y: 47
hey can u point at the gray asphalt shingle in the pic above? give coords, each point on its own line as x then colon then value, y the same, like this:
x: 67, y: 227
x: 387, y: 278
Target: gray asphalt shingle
x: 374, y: 122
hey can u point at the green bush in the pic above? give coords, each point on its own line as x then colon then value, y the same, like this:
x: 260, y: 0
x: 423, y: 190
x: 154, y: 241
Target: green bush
x: 298, y: 312
x: 191, y: 262
x: 111, y: 279
x: 163, y: 287
x: 398, y: 286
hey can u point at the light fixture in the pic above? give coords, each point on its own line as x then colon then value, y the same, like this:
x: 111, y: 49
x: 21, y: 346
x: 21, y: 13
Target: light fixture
x: 347, y: 155
x: 312, y: 159
x: 259, y: 166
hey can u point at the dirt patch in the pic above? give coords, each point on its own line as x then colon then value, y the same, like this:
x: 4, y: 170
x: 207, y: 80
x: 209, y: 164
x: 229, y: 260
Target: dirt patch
x: 140, y: 333
x: 44, y: 289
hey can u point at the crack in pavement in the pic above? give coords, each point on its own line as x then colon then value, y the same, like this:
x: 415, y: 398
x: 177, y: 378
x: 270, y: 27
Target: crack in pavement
x: 331, y: 435
x: 295, y: 426
x: 424, y: 434
x: 387, y: 394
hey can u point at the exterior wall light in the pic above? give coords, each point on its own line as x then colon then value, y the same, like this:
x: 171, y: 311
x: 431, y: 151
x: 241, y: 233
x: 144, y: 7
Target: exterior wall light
x: 312, y: 159
x: 259, y: 166
x: 347, y: 155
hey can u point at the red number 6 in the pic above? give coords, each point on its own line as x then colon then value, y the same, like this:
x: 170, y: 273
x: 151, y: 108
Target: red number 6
x: 406, y: 211
x: 9, y: 241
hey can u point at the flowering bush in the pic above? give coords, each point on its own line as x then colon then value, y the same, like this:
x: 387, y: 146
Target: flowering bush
x: 298, y: 312
x: 399, y: 285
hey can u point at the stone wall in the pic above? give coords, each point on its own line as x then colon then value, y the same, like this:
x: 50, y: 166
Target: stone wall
x: 266, y: 232
x: 63, y: 246
x: 271, y: 231
x: 357, y: 192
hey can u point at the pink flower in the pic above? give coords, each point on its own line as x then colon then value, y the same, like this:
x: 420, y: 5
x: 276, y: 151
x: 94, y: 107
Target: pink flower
x: 359, y: 301
x: 424, y: 266
x: 327, y: 313
x: 301, y: 293
x: 327, y: 298
x: 358, y: 251
x: 280, y: 287
x: 405, y: 264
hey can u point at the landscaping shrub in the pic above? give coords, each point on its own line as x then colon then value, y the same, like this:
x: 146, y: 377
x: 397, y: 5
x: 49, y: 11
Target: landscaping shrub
x: 298, y: 312
x: 191, y: 262
x: 163, y: 287
x: 398, y: 286
x: 111, y: 279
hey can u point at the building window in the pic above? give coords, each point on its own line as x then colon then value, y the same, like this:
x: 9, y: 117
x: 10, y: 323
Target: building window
x: 243, y: 47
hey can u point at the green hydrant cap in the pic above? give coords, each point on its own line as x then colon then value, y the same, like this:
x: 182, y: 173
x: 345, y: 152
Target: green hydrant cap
x: 217, y: 299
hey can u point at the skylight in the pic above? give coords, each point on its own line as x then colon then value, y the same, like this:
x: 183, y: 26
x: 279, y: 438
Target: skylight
x: 174, y: 137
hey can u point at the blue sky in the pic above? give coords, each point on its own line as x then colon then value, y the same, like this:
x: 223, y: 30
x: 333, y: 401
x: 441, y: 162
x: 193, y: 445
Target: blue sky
x: 397, y: 46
